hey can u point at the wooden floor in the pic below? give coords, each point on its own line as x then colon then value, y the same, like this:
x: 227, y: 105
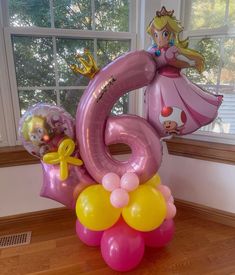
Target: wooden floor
x: 199, y: 247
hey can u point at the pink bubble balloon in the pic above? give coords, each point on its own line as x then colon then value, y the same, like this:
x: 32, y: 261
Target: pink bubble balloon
x: 160, y: 236
x: 111, y: 181
x: 122, y: 247
x: 43, y: 126
x: 119, y: 198
x: 129, y: 181
x: 87, y: 236
x: 170, y: 210
x: 165, y: 190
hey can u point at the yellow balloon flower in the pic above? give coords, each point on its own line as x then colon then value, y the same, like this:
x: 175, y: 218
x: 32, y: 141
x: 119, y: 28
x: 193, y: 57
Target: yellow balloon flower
x: 94, y: 210
x: 154, y: 181
x: 146, y: 209
x: 63, y: 157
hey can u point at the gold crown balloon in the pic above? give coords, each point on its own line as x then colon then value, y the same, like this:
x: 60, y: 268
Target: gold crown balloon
x: 164, y: 12
x: 89, y: 67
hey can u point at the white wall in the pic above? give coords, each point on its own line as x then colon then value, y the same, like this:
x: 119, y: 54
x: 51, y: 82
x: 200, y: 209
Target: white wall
x: 19, y: 190
x: 203, y: 182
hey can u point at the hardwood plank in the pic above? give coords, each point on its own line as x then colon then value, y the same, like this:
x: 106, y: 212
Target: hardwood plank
x: 206, y: 212
x: 199, y: 247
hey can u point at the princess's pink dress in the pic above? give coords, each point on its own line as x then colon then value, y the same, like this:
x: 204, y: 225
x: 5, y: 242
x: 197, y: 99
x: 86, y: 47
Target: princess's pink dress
x: 174, y: 105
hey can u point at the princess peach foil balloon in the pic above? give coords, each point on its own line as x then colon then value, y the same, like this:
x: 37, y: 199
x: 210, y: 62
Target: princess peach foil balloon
x: 174, y: 104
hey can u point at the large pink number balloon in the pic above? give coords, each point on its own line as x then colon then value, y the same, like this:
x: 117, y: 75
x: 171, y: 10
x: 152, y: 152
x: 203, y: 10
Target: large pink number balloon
x: 95, y: 130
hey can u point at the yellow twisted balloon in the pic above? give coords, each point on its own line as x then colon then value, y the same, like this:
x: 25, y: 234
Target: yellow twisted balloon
x: 63, y: 157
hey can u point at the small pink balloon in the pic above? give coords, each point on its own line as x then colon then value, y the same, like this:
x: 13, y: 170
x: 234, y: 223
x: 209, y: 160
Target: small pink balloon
x: 122, y: 247
x: 87, y: 236
x: 160, y: 236
x: 111, y: 181
x: 129, y: 181
x: 171, y: 199
x: 119, y: 198
x: 170, y: 210
x: 165, y: 190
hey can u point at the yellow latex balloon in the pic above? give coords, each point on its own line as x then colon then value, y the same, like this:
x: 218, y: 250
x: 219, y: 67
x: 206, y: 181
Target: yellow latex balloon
x: 154, y: 181
x: 62, y: 157
x: 94, y: 209
x: 146, y: 209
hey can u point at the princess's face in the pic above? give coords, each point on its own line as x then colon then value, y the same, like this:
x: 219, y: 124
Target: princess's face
x: 38, y: 135
x: 161, y: 37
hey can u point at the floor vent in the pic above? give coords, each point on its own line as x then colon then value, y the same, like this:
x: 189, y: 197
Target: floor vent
x: 15, y: 239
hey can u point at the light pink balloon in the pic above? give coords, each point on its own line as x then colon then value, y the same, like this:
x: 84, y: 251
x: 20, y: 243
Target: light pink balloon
x: 129, y: 181
x: 170, y: 210
x: 111, y: 181
x: 171, y: 199
x: 119, y: 198
x: 165, y: 190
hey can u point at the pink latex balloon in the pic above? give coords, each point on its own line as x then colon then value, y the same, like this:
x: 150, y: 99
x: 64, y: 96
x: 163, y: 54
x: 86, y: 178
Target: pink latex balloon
x: 122, y: 247
x: 160, y: 236
x: 63, y: 191
x: 174, y: 105
x: 119, y: 198
x: 129, y: 181
x: 165, y: 190
x: 170, y: 210
x: 128, y: 72
x: 111, y: 181
x: 89, y: 237
x: 171, y: 199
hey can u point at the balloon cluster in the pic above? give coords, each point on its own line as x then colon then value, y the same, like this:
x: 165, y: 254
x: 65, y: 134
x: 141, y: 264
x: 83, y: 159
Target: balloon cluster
x: 121, y: 205
x: 48, y: 132
x: 122, y: 229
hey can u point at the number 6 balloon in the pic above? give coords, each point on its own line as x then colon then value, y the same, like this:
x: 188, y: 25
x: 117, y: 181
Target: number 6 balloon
x: 95, y: 129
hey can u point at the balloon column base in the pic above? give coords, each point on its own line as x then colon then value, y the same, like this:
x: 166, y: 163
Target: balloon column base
x: 122, y: 247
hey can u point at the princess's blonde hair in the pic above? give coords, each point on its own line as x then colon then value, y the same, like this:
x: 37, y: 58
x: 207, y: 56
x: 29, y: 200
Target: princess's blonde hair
x: 165, y: 19
x: 31, y: 123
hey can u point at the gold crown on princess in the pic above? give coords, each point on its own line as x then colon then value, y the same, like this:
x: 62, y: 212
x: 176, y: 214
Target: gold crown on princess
x: 89, y: 67
x: 164, y: 12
